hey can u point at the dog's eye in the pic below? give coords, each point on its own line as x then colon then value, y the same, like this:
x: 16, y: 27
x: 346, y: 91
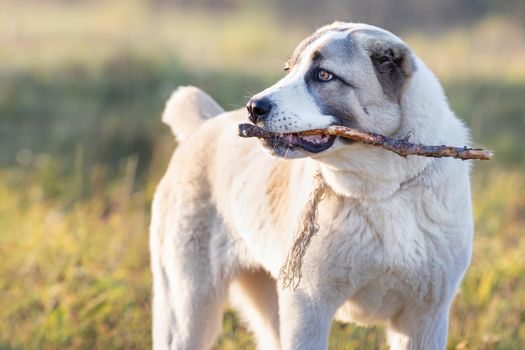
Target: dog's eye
x: 323, y: 75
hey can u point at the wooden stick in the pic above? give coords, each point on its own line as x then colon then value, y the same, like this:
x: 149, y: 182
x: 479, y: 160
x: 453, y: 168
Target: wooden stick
x: 402, y: 147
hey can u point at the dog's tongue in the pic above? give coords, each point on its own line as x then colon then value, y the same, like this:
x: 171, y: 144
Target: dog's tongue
x: 310, y: 143
x: 291, y: 139
x: 316, y: 139
x: 295, y: 139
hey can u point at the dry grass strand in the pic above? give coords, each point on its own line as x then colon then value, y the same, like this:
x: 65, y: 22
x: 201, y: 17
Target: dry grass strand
x: 291, y: 272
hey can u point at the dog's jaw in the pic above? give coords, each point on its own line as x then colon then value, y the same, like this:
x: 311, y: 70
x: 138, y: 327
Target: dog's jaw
x: 294, y: 145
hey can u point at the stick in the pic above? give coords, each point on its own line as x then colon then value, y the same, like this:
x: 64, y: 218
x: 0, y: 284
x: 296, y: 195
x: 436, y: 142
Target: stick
x: 402, y: 147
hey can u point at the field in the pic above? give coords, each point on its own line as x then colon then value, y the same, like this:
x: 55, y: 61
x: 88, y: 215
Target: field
x: 82, y: 148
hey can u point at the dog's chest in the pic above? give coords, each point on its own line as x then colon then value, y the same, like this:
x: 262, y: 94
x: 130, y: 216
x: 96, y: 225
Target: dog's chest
x: 371, y: 241
x: 356, y: 239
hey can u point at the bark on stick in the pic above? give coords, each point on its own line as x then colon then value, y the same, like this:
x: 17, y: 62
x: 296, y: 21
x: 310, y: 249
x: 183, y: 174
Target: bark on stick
x: 400, y: 146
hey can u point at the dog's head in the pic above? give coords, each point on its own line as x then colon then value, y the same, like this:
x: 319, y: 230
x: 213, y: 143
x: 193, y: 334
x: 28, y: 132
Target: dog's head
x: 344, y: 74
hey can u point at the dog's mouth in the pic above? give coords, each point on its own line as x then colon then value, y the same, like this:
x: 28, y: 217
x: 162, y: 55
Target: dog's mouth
x: 289, y: 141
x: 309, y: 143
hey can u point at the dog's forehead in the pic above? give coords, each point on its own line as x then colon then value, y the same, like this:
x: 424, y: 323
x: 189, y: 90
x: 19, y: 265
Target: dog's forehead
x: 325, y: 41
x: 321, y: 37
x: 338, y: 37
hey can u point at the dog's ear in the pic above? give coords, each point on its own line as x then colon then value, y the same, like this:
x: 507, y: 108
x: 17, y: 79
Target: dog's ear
x: 393, y: 64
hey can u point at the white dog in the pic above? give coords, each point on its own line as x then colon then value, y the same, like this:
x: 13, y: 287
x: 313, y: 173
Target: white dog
x: 395, y: 233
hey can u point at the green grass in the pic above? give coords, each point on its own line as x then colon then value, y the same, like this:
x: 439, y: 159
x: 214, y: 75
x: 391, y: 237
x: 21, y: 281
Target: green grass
x: 75, y: 272
x: 82, y: 149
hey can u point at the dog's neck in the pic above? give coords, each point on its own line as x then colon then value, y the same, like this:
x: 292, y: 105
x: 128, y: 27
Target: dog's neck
x: 366, y: 172
x: 370, y: 174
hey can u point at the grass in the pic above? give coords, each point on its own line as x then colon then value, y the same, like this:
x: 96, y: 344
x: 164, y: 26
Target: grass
x: 82, y: 148
x: 59, y: 289
x: 76, y: 271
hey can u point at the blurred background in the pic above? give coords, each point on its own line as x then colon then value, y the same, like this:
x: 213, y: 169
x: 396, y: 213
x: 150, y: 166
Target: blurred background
x: 82, y: 86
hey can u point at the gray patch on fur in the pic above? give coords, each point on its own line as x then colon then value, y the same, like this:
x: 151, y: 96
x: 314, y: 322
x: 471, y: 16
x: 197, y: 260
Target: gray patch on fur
x: 392, y: 61
x: 335, y: 27
x: 345, y: 47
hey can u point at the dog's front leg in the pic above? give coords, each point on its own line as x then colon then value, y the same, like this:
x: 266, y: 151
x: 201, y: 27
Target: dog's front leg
x: 305, y: 319
x: 413, y: 330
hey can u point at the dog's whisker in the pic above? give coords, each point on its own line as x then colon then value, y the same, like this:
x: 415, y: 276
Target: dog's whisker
x: 248, y: 92
x: 235, y: 105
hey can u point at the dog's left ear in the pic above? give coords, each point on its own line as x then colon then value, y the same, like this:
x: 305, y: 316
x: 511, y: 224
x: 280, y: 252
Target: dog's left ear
x: 393, y: 64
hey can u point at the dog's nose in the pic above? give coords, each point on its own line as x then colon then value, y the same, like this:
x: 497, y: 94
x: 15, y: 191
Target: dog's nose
x: 258, y: 108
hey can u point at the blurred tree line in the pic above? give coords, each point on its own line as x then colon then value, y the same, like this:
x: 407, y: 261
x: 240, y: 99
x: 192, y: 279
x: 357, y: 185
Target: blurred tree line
x: 397, y: 15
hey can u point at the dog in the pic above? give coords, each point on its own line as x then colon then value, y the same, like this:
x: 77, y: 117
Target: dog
x: 395, y: 233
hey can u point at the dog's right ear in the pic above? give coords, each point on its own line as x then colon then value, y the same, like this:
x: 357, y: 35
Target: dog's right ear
x: 393, y: 64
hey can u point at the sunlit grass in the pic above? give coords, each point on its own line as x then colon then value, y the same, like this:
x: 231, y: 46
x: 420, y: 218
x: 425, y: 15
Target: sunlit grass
x: 77, y: 275
x: 74, y: 271
x: 490, y: 310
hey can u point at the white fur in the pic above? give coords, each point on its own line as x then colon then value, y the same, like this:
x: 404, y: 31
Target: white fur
x: 393, y: 245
